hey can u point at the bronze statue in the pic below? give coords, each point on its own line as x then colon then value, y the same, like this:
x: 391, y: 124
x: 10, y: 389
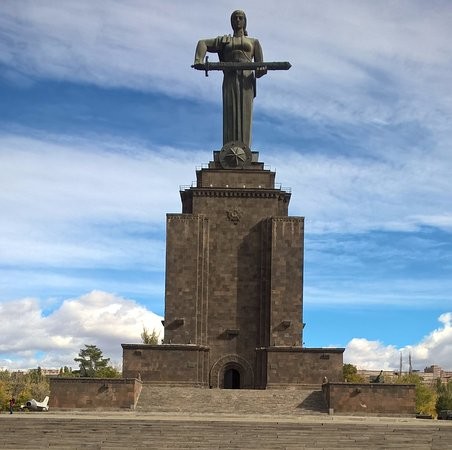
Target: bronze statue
x: 238, y: 55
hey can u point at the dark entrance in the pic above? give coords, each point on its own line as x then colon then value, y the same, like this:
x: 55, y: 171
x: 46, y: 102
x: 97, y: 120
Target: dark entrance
x: 232, y: 379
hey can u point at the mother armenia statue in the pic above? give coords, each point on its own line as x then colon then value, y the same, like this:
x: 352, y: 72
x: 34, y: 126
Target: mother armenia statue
x: 238, y: 55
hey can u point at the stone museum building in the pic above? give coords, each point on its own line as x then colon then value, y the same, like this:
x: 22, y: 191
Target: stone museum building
x: 234, y: 257
x: 234, y: 287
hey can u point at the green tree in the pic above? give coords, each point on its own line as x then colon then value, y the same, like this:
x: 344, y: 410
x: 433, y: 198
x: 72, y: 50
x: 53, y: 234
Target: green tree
x: 4, y: 391
x: 108, y: 372
x: 35, y: 375
x: 444, y: 399
x: 22, y: 386
x: 350, y: 373
x: 91, y: 361
x: 425, y: 395
x: 17, y: 385
x: 39, y: 389
x: 35, y: 385
x: 66, y: 372
x: 149, y: 338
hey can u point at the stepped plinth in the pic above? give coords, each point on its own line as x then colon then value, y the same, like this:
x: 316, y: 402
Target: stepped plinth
x: 234, y: 286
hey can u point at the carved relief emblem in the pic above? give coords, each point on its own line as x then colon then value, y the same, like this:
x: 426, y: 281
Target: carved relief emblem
x: 235, y: 155
x: 234, y: 215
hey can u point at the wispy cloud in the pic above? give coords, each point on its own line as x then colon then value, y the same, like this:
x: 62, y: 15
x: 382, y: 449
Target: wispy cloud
x: 95, y: 203
x: 351, y: 194
x: 359, y: 128
x: 356, y: 62
x: 81, y: 214
x: 65, y: 196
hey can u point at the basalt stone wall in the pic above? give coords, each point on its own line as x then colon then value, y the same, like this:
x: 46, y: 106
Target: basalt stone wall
x: 371, y: 399
x: 286, y: 281
x: 187, y: 265
x: 167, y: 364
x: 294, y: 365
x: 219, y: 285
x: 94, y: 393
x: 234, y: 284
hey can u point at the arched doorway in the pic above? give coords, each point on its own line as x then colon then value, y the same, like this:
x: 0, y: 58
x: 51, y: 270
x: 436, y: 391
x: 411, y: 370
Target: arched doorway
x: 231, y: 379
x: 231, y: 372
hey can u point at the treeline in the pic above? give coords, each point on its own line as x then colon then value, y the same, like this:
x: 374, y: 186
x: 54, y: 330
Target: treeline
x: 22, y: 387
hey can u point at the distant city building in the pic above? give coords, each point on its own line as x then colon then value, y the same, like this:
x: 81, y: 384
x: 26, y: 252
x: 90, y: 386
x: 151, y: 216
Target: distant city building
x: 50, y: 372
x: 435, y: 372
x: 46, y: 372
x: 429, y: 375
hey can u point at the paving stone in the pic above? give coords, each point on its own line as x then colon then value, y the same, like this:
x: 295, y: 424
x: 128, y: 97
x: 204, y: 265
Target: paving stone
x: 137, y: 431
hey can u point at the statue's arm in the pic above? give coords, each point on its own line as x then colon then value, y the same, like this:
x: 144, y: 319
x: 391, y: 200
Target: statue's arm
x: 259, y: 57
x: 204, y: 46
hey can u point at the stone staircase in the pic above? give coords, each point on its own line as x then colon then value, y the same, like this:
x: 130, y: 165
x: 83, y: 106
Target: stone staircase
x: 273, y: 402
x: 129, y: 431
x: 206, y: 419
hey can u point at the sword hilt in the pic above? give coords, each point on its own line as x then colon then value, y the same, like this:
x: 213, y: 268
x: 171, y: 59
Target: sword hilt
x: 207, y: 65
x: 203, y: 66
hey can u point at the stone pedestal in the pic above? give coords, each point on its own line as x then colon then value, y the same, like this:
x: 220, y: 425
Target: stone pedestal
x: 234, y: 280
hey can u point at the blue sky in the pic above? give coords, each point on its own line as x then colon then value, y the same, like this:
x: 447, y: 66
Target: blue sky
x: 102, y: 119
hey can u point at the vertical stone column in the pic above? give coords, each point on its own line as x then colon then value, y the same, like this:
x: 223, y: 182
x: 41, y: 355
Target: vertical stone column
x: 286, y: 281
x: 187, y: 265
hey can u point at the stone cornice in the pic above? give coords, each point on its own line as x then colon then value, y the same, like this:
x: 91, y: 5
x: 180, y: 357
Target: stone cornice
x: 90, y: 380
x: 165, y: 347
x: 294, y: 219
x: 235, y: 192
x: 320, y: 351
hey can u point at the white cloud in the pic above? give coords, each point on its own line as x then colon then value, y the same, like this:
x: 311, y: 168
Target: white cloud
x: 351, y: 62
x: 97, y: 202
x: 359, y: 287
x: 64, y: 177
x: 105, y: 203
x: 74, y: 203
x: 31, y: 338
x: 370, y: 355
x: 346, y: 194
x: 107, y: 320
x: 436, y: 220
x: 71, y: 202
x: 435, y: 348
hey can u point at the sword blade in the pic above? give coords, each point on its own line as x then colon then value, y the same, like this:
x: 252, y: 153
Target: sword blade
x: 275, y: 65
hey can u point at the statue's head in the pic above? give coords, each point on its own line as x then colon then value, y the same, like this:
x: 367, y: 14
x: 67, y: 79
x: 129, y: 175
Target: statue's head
x: 238, y: 20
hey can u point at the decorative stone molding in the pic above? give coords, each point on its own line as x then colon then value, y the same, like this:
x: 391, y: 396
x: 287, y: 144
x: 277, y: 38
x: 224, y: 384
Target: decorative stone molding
x: 292, y: 219
x: 231, y: 192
